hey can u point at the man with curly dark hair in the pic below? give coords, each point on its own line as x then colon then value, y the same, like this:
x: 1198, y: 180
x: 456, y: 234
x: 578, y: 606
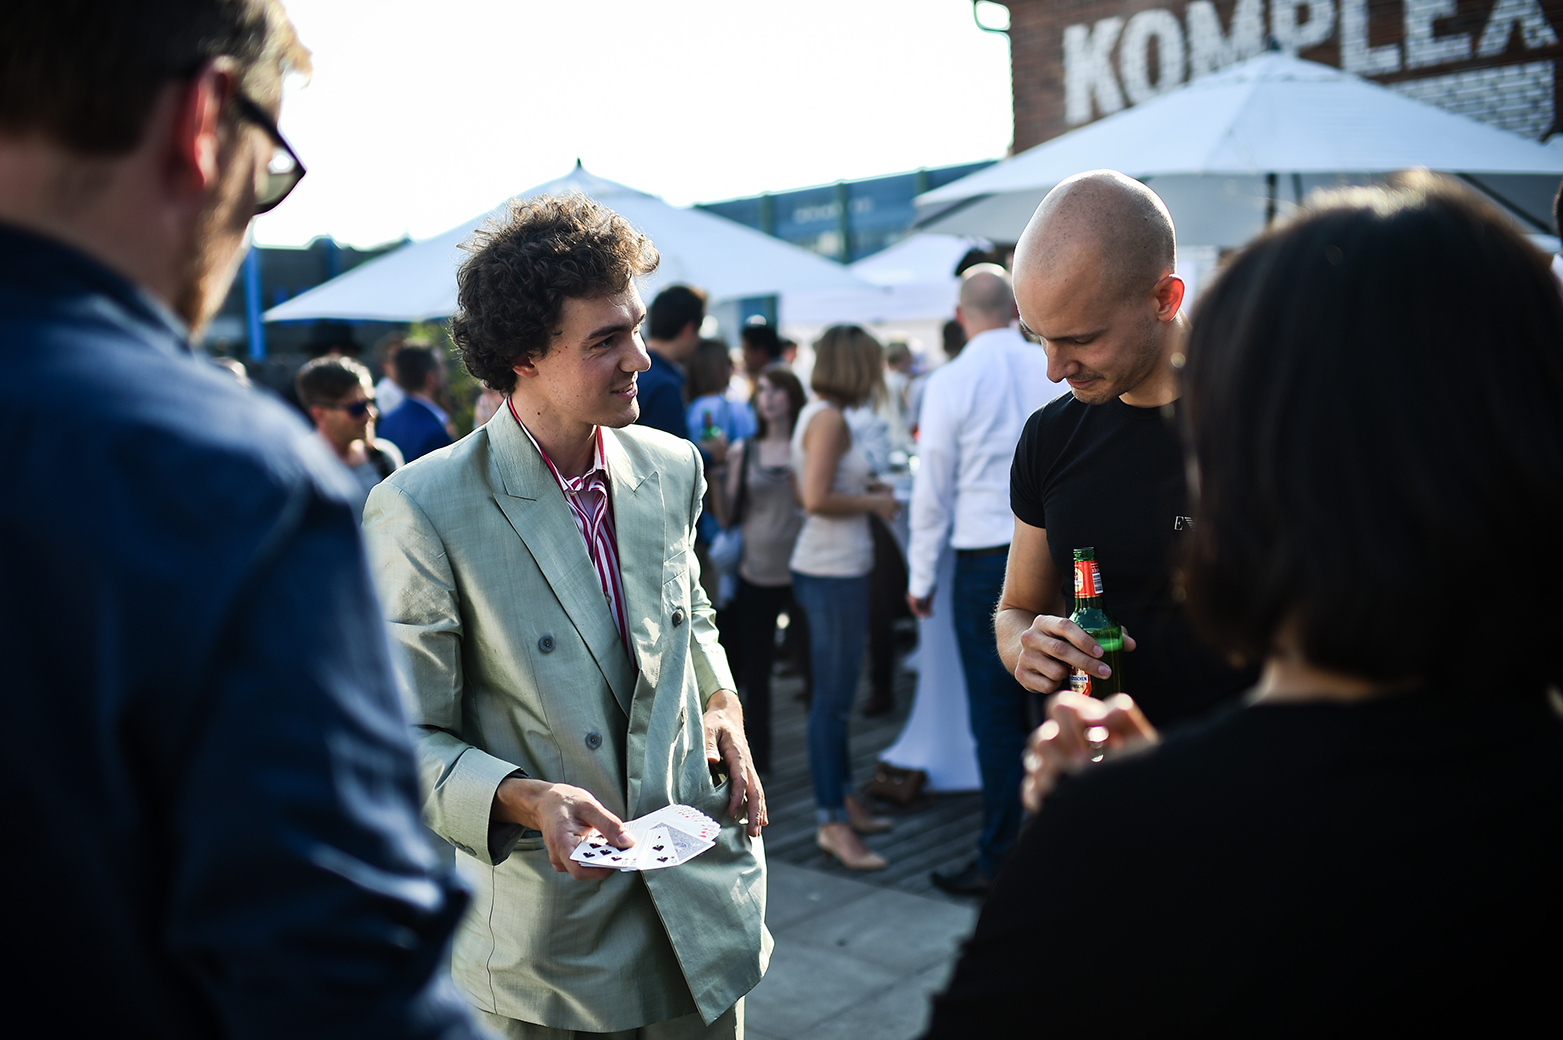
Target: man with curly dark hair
x: 561, y: 658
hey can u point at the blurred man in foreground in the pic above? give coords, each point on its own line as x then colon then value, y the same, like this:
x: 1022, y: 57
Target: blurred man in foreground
x: 204, y: 753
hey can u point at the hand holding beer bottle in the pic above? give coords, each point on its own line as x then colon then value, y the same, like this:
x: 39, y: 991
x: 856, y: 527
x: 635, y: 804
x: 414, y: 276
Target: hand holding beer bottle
x: 1093, y: 618
x: 1054, y: 648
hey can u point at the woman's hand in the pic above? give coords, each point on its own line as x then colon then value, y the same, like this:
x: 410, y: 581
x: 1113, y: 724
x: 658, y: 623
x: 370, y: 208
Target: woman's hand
x: 882, y: 502
x: 1080, y: 730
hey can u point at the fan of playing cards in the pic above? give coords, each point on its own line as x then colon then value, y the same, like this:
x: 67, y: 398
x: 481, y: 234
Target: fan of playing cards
x: 672, y: 835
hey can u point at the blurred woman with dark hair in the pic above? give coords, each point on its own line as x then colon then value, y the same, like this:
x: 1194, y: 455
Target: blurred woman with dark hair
x: 759, y: 497
x: 707, y: 375
x: 1374, y: 840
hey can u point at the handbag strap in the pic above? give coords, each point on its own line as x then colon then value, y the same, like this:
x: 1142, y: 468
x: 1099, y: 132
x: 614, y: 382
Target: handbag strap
x: 382, y: 462
x: 742, y: 501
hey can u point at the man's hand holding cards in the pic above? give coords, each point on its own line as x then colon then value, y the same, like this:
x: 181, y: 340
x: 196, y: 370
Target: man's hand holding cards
x: 672, y: 835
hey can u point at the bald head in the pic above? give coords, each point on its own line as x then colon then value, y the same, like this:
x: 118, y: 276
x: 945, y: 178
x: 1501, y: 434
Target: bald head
x: 986, y: 299
x: 1099, y: 227
x: 1095, y: 286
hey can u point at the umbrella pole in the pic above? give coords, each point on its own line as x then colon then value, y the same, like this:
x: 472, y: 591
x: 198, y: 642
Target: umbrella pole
x: 1269, y: 199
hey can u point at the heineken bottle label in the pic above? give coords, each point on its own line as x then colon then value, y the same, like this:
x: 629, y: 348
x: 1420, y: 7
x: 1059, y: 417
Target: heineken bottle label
x: 1088, y: 580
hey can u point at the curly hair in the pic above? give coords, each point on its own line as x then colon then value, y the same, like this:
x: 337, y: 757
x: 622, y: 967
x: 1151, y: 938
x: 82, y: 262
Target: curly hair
x: 511, y: 289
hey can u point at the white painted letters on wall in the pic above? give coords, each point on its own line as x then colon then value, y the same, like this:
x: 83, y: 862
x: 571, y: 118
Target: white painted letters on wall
x: 1506, y: 15
x: 1088, y: 70
x: 1423, y: 48
x: 1355, y: 54
x: 1134, y: 54
x: 1107, y: 64
x: 1211, y: 49
x: 1300, y: 24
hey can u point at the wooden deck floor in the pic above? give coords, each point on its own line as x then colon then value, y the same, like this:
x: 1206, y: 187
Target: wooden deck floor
x: 942, y: 835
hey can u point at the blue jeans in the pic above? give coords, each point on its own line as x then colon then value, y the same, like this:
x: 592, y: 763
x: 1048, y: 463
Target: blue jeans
x: 837, y: 609
x: 997, y: 704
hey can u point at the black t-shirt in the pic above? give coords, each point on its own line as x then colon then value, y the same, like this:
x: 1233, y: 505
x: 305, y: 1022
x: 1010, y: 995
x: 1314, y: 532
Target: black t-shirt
x: 1111, y: 476
x: 1302, y: 869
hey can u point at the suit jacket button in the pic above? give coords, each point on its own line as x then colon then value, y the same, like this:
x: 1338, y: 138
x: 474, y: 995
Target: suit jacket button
x: 678, y: 615
x: 546, y: 644
x: 594, y: 740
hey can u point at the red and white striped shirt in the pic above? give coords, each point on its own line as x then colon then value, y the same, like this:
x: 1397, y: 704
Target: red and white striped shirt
x: 592, y: 507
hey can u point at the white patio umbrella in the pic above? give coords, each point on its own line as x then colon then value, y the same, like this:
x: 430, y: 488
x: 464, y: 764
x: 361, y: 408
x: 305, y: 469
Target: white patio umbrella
x: 417, y: 282
x: 1216, y: 149
x: 913, y: 280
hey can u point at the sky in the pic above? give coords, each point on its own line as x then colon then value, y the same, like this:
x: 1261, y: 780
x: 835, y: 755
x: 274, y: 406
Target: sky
x: 420, y: 115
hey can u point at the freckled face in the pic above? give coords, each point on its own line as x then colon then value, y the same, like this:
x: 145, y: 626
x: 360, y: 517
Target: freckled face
x: 588, y: 377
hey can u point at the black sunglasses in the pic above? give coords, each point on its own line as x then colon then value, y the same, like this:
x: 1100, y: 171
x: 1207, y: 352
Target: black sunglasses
x: 356, y: 409
x: 283, y: 170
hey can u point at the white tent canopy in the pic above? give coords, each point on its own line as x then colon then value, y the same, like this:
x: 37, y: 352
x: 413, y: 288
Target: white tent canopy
x: 916, y: 259
x: 417, y: 282
x: 913, y: 280
x: 1208, y: 146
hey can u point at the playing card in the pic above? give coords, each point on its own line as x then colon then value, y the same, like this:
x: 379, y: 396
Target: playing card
x: 594, y: 851
x: 658, y: 849
x: 669, y: 836
x: 684, y: 846
x: 687, y: 819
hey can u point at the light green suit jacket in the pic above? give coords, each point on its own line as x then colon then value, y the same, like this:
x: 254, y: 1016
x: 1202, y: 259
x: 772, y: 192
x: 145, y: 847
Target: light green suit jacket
x: 511, y: 660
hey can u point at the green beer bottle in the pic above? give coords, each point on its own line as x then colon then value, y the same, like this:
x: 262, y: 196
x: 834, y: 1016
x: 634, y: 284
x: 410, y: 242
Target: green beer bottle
x: 1101, y: 626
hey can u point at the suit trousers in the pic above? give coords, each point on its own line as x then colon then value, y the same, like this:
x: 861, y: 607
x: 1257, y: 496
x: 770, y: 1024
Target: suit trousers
x: 998, y: 706
x: 728, y: 1026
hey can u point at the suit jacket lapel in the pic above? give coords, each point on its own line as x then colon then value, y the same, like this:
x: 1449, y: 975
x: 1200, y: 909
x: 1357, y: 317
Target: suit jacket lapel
x: 530, y: 499
x: 640, y: 519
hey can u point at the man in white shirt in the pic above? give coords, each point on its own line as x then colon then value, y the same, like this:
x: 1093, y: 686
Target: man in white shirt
x: 972, y: 414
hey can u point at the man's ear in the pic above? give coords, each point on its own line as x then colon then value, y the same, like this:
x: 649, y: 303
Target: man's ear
x: 525, y: 368
x: 197, y: 137
x: 1169, y: 297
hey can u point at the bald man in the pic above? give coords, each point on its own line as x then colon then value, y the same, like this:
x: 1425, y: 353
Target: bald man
x: 1102, y: 466
x: 972, y: 413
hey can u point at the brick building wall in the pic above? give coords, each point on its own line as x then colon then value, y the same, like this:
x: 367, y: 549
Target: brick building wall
x: 1074, y: 61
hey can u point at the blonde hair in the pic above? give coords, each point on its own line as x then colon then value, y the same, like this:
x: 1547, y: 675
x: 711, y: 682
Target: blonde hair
x: 849, y: 365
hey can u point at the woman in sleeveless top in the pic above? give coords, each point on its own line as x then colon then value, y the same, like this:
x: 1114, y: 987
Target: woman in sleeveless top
x: 759, y: 497
x: 830, y: 567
